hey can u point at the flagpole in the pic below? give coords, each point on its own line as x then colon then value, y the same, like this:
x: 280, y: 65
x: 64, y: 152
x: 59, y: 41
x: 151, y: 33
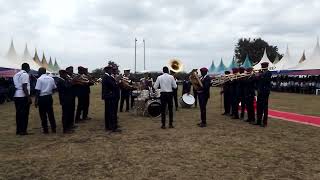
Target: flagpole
x: 144, y: 55
x: 135, y: 55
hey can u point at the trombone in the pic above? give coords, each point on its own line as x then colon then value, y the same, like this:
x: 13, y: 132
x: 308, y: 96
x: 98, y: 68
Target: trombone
x: 218, y: 81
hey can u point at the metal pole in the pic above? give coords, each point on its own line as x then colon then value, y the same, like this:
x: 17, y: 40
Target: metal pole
x: 144, y: 55
x: 135, y: 55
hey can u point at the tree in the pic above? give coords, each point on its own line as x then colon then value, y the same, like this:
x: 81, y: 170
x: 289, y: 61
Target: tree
x: 254, y: 49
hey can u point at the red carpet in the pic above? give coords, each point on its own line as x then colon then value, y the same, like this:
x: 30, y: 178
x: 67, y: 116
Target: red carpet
x: 293, y: 117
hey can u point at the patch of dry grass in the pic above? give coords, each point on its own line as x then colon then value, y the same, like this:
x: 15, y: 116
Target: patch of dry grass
x: 226, y: 149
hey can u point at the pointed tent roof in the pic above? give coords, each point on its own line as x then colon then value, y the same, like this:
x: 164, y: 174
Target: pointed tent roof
x: 276, y: 60
x: 50, y: 65
x: 12, y: 54
x: 56, y: 66
x: 303, y: 57
x: 221, y: 68
x: 44, y: 61
x: 233, y: 64
x: 26, y: 54
x: 212, y: 68
x: 36, y: 57
x: 247, y: 63
x: 286, y: 62
x: 313, y: 62
x: 263, y: 59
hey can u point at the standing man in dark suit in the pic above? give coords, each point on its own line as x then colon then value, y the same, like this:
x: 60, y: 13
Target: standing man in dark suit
x: 186, y: 86
x: 242, y: 99
x: 204, y: 95
x: 235, y: 94
x: 22, y: 99
x: 81, y: 93
x: 87, y: 92
x: 195, y: 93
x: 226, y: 95
x: 167, y: 83
x: 71, y: 76
x: 249, y: 93
x: 175, y: 91
x: 64, y: 84
x: 263, y: 89
x: 125, y: 91
x: 109, y: 95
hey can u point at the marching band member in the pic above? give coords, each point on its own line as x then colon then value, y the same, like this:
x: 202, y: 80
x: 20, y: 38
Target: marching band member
x: 71, y: 75
x: 241, y: 92
x: 195, y: 93
x: 167, y: 83
x: 66, y: 98
x: 22, y: 99
x: 175, y: 91
x: 146, y: 82
x: 249, y: 93
x: 226, y: 96
x: 186, y: 86
x: 117, y: 77
x: 235, y: 95
x: 204, y: 95
x: 87, y: 94
x: 44, y: 89
x: 263, y: 89
x: 109, y: 95
x: 125, y: 91
x: 81, y: 93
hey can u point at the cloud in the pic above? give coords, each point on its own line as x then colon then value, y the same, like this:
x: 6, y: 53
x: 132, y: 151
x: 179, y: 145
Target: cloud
x: 90, y: 32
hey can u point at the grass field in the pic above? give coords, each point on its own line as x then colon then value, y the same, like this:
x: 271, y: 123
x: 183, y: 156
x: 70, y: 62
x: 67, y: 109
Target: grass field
x: 226, y: 149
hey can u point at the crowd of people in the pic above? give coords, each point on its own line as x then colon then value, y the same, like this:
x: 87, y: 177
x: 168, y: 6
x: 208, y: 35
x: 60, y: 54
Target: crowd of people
x: 296, y: 84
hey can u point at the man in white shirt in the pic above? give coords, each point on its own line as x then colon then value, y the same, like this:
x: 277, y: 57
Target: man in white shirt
x: 44, y: 89
x: 22, y: 99
x: 167, y: 83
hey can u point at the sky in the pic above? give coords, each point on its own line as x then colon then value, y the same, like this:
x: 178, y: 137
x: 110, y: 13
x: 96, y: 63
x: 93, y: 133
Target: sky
x: 91, y: 32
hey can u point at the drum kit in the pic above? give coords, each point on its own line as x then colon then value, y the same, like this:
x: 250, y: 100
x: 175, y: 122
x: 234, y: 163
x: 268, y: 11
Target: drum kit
x: 148, y: 103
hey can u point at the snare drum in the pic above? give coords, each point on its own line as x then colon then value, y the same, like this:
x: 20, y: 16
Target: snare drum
x: 186, y: 101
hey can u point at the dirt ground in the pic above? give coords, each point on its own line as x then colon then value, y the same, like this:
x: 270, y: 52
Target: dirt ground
x: 226, y: 149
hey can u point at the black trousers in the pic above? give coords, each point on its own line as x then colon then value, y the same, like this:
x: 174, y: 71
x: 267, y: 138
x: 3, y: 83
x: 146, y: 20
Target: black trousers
x: 250, y: 108
x: 46, y: 112
x: 166, y: 100
x: 67, y: 114
x: 262, y: 108
x: 110, y: 114
x: 71, y: 110
x: 203, y: 100
x: 195, y: 94
x: 242, y: 99
x: 124, y: 97
x: 235, y: 106
x: 22, y: 114
x: 226, y: 103
x: 80, y: 107
x: 86, y: 105
x: 175, y: 97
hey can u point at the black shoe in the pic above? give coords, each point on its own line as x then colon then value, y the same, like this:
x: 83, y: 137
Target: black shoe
x: 263, y: 125
x: 163, y: 127
x: 127, y: 110
x: 53, y: 131
x: 234, y: 117
x: 117, y: 130
x: 248, y: 121
x: 68, y: 131
x: 257, y: 124
x: 223, y: 114
x: 87, y: 118
x: 23, y: 134
x: 74, y: 127
x: 202, y: 125
x: 171, y: 126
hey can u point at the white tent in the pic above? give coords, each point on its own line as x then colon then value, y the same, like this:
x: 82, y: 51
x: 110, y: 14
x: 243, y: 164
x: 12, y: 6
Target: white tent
x: 286, y: 62
x: 313, y: 62
x: 263, y: 59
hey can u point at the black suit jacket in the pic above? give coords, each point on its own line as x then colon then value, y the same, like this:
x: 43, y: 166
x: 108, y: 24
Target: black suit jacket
x: 206, y: 82
x: 109, y: 87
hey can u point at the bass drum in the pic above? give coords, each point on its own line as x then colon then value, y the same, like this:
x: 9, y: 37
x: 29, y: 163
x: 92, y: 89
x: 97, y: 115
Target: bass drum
x: 187, y: 101
x: 153, y: 108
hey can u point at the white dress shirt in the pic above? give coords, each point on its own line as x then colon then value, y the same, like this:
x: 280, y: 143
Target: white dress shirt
x: 45, y: 84
x: 22, y: 77
x: 166, y: 83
